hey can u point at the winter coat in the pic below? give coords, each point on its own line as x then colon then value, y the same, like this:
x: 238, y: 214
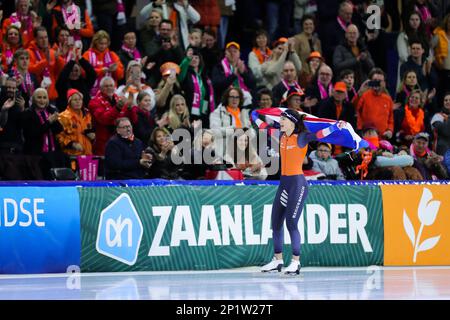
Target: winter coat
x: 122, y: 158
x: 76, y: 127
x: 104, y: 112
x: 327, y: 167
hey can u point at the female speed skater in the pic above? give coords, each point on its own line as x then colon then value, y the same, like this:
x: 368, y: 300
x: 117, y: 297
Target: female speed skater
x: 293, y: 188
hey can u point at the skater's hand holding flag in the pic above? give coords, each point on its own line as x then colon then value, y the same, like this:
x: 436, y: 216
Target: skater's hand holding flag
x: 336, y: 132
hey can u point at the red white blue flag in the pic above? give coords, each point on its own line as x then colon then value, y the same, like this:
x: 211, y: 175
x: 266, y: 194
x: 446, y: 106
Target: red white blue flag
x: 269, y: 118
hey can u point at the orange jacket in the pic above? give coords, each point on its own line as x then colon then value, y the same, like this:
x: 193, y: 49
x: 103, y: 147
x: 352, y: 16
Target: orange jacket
x: 75, y: 124
x: 38, y: 64
x: 441, y: 50
x: 98, y: 66
x: 86, y: 32
x: 292, y: 155
x: 375, y: 111
x: 27, y: 36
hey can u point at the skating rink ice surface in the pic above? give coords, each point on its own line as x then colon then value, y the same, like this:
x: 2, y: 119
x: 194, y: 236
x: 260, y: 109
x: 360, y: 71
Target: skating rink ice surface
x: 371, y: 283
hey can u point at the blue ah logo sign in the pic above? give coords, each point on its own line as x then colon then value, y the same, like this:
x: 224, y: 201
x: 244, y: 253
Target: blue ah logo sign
x: 120, y: 231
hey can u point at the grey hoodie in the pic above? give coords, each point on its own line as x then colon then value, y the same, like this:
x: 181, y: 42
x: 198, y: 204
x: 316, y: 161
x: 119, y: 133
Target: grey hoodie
x: 327, y: 167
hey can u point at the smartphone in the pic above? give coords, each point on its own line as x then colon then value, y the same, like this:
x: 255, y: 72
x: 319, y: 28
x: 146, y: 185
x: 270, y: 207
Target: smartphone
x: 71, y: 41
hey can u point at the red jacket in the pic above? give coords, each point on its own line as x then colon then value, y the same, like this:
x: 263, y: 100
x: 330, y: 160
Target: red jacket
x: 104, y: 115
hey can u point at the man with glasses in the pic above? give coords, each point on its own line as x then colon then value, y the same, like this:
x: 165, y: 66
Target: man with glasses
x: 319, y: 90
x: 124, y: 155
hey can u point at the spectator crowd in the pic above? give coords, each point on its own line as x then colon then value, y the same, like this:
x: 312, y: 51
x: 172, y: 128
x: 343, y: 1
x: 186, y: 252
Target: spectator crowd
x: 142, y: 84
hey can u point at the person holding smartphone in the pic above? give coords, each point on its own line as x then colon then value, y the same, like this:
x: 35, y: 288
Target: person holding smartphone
x: 375, y: 107
x: 134, y: 85
x: 11, y: 106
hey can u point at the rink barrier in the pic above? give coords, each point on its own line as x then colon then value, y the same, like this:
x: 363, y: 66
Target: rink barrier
x: 203, y: 225
x: 39, y: 229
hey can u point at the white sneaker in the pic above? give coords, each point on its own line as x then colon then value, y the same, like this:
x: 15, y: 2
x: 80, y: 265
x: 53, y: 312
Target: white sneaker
x: 293, y: 268
x: 274, y: 265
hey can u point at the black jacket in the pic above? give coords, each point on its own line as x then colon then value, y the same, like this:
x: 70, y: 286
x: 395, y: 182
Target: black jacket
x: 221, y: 83
x: 188, y: 87
x: 11, y: 126
x: 122, y: 158
x: 343, y: 58
x: 34, y: 130
x: 327, y: 109
x: 83, y: 84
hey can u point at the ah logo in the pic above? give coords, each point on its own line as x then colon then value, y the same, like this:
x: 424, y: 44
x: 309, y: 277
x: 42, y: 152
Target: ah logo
x: 120, y: 231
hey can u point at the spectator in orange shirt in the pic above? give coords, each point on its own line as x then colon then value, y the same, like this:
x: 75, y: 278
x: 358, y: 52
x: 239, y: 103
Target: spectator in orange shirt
x: 11, y: 43
x: 375, y: 106
x: 25, y: 18
x: 76, y: 19
x: 104, y: 61
x: 45, y: 62
x: 63, y: 46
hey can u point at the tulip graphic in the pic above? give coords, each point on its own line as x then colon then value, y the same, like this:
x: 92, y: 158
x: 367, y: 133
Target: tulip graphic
x: 427, y: 213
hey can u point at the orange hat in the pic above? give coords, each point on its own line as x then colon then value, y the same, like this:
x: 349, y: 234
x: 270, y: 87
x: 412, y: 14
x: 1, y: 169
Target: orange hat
x: 166, y: 67
x: 280, y: 41
x: 233, y: 44
x: 292, y: 92
x: 314, y: 54
x: 340, y: 86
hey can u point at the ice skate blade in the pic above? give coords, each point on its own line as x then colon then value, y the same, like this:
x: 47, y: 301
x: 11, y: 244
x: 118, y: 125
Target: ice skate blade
x: 271, y: 271
x: 292, y: 273
x: 275, y: 270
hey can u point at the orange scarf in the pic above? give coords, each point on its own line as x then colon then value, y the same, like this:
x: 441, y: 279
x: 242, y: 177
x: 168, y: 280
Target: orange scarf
x: 262, y: 56
x: 413, y: 122
x: 338, y: 110
x: 364, y: 166
x: 236, y: 113
x: 373, y: 140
